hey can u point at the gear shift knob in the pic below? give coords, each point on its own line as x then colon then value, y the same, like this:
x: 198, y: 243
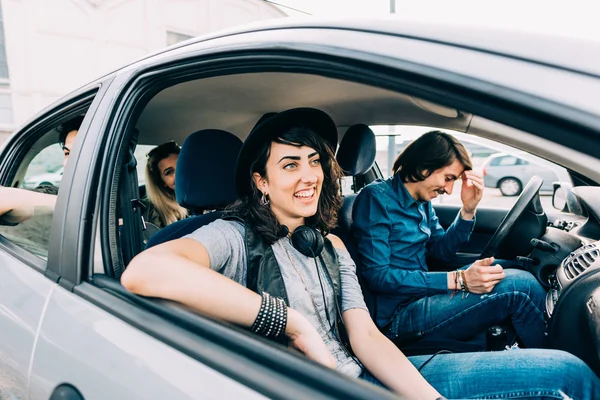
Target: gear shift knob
x: 543, y: 246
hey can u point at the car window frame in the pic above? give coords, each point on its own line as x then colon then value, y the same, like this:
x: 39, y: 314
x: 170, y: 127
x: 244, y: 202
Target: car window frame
x: 63, y: 265
x: 142, y: 86
x: 121, y: 118
x: 19, y: 144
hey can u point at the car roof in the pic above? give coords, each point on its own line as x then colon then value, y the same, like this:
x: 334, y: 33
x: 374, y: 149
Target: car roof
x: 572, y: 54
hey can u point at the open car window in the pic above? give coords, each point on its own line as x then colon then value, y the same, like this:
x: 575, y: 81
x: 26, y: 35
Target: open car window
x: 506, y: 170
x: 32, y: 190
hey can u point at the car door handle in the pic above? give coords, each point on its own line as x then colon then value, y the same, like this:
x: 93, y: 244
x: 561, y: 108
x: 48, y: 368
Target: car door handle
x: 64, y: 391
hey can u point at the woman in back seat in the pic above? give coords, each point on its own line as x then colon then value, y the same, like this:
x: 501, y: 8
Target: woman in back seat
x: 162, y: 208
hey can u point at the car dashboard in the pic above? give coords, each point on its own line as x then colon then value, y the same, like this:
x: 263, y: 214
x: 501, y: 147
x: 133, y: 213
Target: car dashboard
x: 582, y: 261
x: 576, y: 244
x: 566, y: 260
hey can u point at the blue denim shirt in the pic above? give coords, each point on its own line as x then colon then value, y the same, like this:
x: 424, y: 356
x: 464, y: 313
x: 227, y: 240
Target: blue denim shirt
x: 394, y: 232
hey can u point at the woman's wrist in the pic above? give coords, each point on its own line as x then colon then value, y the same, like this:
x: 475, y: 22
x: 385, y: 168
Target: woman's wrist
x: 296, y: 323
x: 271, y: 320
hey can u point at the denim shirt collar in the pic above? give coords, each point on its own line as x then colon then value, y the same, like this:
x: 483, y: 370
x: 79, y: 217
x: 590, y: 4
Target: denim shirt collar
x: 406, y: 200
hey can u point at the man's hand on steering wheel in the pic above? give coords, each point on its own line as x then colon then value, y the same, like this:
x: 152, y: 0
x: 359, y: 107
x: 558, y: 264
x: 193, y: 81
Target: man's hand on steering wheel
x: 528, y: 198
x: 471, y: 193
x: 482, y: 276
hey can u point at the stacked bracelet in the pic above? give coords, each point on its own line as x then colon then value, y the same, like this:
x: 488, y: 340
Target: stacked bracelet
x: 272, y: 317
x: 460, y: 281
x: 456, y: 286
x: 464, y: 281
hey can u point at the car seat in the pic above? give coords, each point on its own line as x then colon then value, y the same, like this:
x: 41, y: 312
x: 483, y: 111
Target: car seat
x: 356, y: 156
x: 204, y: 183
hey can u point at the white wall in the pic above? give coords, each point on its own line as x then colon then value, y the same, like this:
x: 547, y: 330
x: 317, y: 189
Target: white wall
x: 55, y: 46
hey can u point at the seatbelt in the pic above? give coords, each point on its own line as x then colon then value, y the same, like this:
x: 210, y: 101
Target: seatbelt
x: 131, y: 206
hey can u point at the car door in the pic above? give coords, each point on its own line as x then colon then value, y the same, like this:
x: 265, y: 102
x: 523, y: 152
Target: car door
x: 59, y: 343
x: 99, y: 341
x: 24, y: 286
x: 23, y: 293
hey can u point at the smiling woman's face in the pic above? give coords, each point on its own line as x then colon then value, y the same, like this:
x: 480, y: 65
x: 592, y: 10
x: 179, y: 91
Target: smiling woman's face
x: 293, y: 183
x: 167, y: 167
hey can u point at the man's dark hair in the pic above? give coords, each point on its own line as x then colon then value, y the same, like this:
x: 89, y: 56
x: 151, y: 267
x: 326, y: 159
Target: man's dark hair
x: 71, y: 125
x: 430, y: 152
x: 330, y: 200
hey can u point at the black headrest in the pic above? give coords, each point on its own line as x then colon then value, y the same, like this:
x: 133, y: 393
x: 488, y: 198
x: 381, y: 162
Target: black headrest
x: 142, y: 190
x: 357, y: 151
x: 205, y: 169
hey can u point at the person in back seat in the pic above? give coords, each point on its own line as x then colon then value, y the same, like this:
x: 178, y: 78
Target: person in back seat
x: 162, y: 208
x: 395, y: 227
x: 257, y: 268
x: 18, y: 205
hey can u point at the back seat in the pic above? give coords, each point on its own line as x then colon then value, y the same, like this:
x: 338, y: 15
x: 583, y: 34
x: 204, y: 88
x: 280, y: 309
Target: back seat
x: 204, y: 181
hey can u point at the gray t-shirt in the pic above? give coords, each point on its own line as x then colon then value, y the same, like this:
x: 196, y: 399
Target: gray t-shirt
x: 224, y: 242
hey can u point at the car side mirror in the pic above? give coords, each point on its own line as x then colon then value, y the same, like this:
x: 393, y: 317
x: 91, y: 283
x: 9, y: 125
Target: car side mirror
x: 564, y: 199
x: 559, y: 197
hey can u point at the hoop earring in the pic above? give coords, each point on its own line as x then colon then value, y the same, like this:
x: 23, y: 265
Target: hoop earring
x: 264, y: 200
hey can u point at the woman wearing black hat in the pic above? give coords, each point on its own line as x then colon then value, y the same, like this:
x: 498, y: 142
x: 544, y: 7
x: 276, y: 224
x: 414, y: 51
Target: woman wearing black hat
x: 271, y: 266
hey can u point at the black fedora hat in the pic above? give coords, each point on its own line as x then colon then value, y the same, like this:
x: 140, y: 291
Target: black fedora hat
x: 269, y: 127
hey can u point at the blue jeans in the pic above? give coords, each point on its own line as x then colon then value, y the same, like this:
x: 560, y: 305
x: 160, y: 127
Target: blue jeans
x: 513, y: 374
x: 518, y: 297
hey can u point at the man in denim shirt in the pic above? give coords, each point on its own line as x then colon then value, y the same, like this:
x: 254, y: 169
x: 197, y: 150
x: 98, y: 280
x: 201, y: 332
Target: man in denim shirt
x: 395, y: 226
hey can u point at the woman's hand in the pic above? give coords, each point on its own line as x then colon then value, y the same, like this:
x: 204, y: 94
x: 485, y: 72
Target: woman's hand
x: 482, y: 276
x: 304, y: 337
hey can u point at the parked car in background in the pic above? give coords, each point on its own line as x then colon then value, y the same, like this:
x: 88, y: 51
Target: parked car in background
x: 510, y: 174
x: 49, y: 178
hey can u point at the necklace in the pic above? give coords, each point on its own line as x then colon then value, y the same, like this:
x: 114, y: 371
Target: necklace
x: 314, y: 304
x: 328, y: 325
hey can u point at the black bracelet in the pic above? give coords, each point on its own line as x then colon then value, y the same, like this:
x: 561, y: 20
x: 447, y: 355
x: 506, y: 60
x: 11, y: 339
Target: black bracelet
x: 272, y: 317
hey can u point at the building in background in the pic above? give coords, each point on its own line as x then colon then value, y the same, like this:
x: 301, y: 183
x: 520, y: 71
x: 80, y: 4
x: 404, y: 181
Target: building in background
x: 50, y: 47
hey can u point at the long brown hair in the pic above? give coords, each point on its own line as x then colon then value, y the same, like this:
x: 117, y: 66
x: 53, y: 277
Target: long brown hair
x: 330, y: 201
x: 430, y: 152
x: 162, y: 196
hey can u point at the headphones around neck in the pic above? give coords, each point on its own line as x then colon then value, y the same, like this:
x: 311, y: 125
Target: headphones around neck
x: 308, y: 241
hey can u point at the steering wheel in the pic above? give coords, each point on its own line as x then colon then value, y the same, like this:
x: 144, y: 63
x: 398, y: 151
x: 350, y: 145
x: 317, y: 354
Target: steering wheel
x: 523, y: 202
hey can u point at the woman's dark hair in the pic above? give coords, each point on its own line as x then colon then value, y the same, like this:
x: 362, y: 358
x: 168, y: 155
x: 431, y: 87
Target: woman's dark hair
x: 330, y: 201
x: 430, y: 152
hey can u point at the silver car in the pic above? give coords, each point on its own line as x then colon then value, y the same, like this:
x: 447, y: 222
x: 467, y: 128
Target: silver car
x: 70, y: 329
x: 510, y: 173
x: 48, y: 178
